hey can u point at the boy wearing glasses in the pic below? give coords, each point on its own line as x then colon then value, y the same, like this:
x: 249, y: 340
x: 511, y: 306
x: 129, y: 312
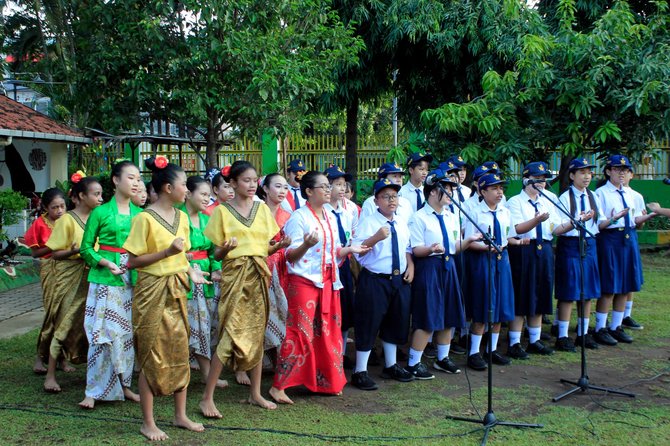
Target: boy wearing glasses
x: 383, y: 298
x: 394, y: 173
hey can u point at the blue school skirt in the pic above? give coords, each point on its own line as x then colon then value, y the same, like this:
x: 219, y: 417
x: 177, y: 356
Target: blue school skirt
x: 436, y: 294
x: 619, y: 261
x: 476, y: 289
x: 533, y: 277
x: 568, y: 272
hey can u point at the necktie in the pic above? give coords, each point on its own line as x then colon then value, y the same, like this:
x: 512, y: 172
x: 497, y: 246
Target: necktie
x: 451, y: 208
x: 497, y: 233
x: 538, y: 228
x: 445, y: 237
x: 461, y: 199
x: 626, y: 218
x: 419, y: 202
x: 396, y: 278
x: 340, y: 229
x: 582, y: 203
x: 296, y: 199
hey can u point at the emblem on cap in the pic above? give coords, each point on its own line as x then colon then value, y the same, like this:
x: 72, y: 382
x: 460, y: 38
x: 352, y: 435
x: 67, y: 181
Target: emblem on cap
x: 541, y: 167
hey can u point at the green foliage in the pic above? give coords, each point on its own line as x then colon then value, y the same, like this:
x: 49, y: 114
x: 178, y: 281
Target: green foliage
x: 11, y: 205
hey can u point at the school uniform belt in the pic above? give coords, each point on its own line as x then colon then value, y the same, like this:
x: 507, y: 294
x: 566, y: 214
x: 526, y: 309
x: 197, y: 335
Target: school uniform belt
x: 383, y: 276
x: 534, y: 241
x: 113, y: 249
x: 616, y: 229
x: 198, y: 255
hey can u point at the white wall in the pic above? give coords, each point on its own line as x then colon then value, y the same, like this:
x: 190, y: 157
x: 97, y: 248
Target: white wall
x: 54, y: 169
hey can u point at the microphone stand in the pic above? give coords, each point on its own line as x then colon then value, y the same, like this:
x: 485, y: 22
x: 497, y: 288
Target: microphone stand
x: 582, y: 384
x: 490, y: 420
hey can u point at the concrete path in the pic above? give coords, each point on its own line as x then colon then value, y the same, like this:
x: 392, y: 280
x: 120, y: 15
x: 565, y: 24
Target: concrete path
x: 20, y: 310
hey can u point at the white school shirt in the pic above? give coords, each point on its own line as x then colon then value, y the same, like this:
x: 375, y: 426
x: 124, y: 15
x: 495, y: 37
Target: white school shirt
x: 590, y: 225
x: 482, y: 215
x: 638, y: 200
x: 465, y: 190
x: 351, y: 208
x: 612, y: 204
x: 302, y: 222
x: 425, y: 229
x: 379, y: 259
x: 403, y: 212
x: 286, y: 205
x: 522, y: 211
x: 408, y: 191
x: 347, y: 220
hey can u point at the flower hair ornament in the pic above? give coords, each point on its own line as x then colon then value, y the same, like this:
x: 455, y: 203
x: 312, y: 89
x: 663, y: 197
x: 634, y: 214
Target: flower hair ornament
x: 161, y: 162
x: 225, y: 171
x: 77, y: 176
x: 299, y: 175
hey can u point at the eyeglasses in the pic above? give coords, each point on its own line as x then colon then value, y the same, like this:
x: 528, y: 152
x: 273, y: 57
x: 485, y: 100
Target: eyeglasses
x: 389, y: 197
x: 325, y: 187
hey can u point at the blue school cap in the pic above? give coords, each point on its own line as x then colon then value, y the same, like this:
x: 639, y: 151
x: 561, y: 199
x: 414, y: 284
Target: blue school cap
x: 457, y: 160
x: 296, y: 166
x: 448, y: 166
x: 490, y: 179
x: 618, y: 161
x: 580, y: 163
x: 537, y: 169
x: 334, y: 172
x: 487, y: 167
x: 414, y: 158
x: 383, y: 184
x: 388, y: 168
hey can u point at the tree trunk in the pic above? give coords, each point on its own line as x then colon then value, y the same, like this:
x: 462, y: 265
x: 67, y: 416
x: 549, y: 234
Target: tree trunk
x: 351, y: 144
x: 213, y: 128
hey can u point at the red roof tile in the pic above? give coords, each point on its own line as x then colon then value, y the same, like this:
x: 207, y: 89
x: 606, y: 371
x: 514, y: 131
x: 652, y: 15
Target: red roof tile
x: 18, y: 117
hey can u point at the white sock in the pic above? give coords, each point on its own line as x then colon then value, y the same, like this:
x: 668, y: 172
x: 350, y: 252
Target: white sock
x: 494, y: 342
x: 443, y: 351
x: 555, y: 321
x: 452, y: 330
x: 475, y: 343
x: 629, y: 308
x: 430, y: 339
x: 534, y: 334
x: 362, y: 361
x: 617, y: 318
x: 414, y: 357
x: 514, y: 337
x: 582, y: 326
x: 345, y: 335
x: 601, y: 319
x: 563, y: 329
x: 390, y: 351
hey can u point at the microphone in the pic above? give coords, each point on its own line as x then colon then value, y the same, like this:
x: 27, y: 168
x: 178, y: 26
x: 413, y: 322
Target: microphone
x: 432, y: 180
x: 666, y: 181
x: 529, y: 182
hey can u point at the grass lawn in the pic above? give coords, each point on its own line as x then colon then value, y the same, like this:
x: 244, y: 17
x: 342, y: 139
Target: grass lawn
x: 412, y: 413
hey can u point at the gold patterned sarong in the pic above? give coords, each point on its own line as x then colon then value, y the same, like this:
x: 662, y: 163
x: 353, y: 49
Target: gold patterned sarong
x: 67, y: 311
x: 160, y: 331
x: 243, y: 312
x: 48, y: 283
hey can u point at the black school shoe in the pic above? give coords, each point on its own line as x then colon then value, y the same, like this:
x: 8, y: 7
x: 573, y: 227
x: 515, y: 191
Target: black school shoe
x: 620, y: 335
x: 517, y: 352
x: 456, y: 349
x: 629, y: 322
x: 500, y: 359
x: 604, y: 337
x: 446, y: 365
x: 420, y: 371
x: 363, y: 381
x: 538, y: 348
x: 476, y: 362
x: 398, y: 373
x: 589, y: 342
x: 430, y: 351
x: 565, y: 344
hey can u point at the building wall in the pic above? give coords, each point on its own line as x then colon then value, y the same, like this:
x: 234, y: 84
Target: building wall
x: 45, y: 169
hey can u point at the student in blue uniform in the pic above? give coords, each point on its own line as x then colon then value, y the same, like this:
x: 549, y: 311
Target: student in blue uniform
x: 459, y: 166
x: 491, y: 216
x: 618, y: 252
x: 296, y: 169
x: 418, y: 165
x: 436, y: 294
x: 395, y: 174
x: 382, y: 303
x: 532, y: 261
x: 584, y: 205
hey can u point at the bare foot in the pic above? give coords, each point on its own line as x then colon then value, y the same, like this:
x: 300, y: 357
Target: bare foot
x: 260, y: 402
x: 280, y: 396
x: 38, y: 367
x: 221, y: 383
x: 242, y: 378
x: 130, y: 395
x: 185, y: 423
x: 66, y: 367
x: 87, y: 403
x: 209, y: 410
x: 51, y: 386
x: 153, y: 433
